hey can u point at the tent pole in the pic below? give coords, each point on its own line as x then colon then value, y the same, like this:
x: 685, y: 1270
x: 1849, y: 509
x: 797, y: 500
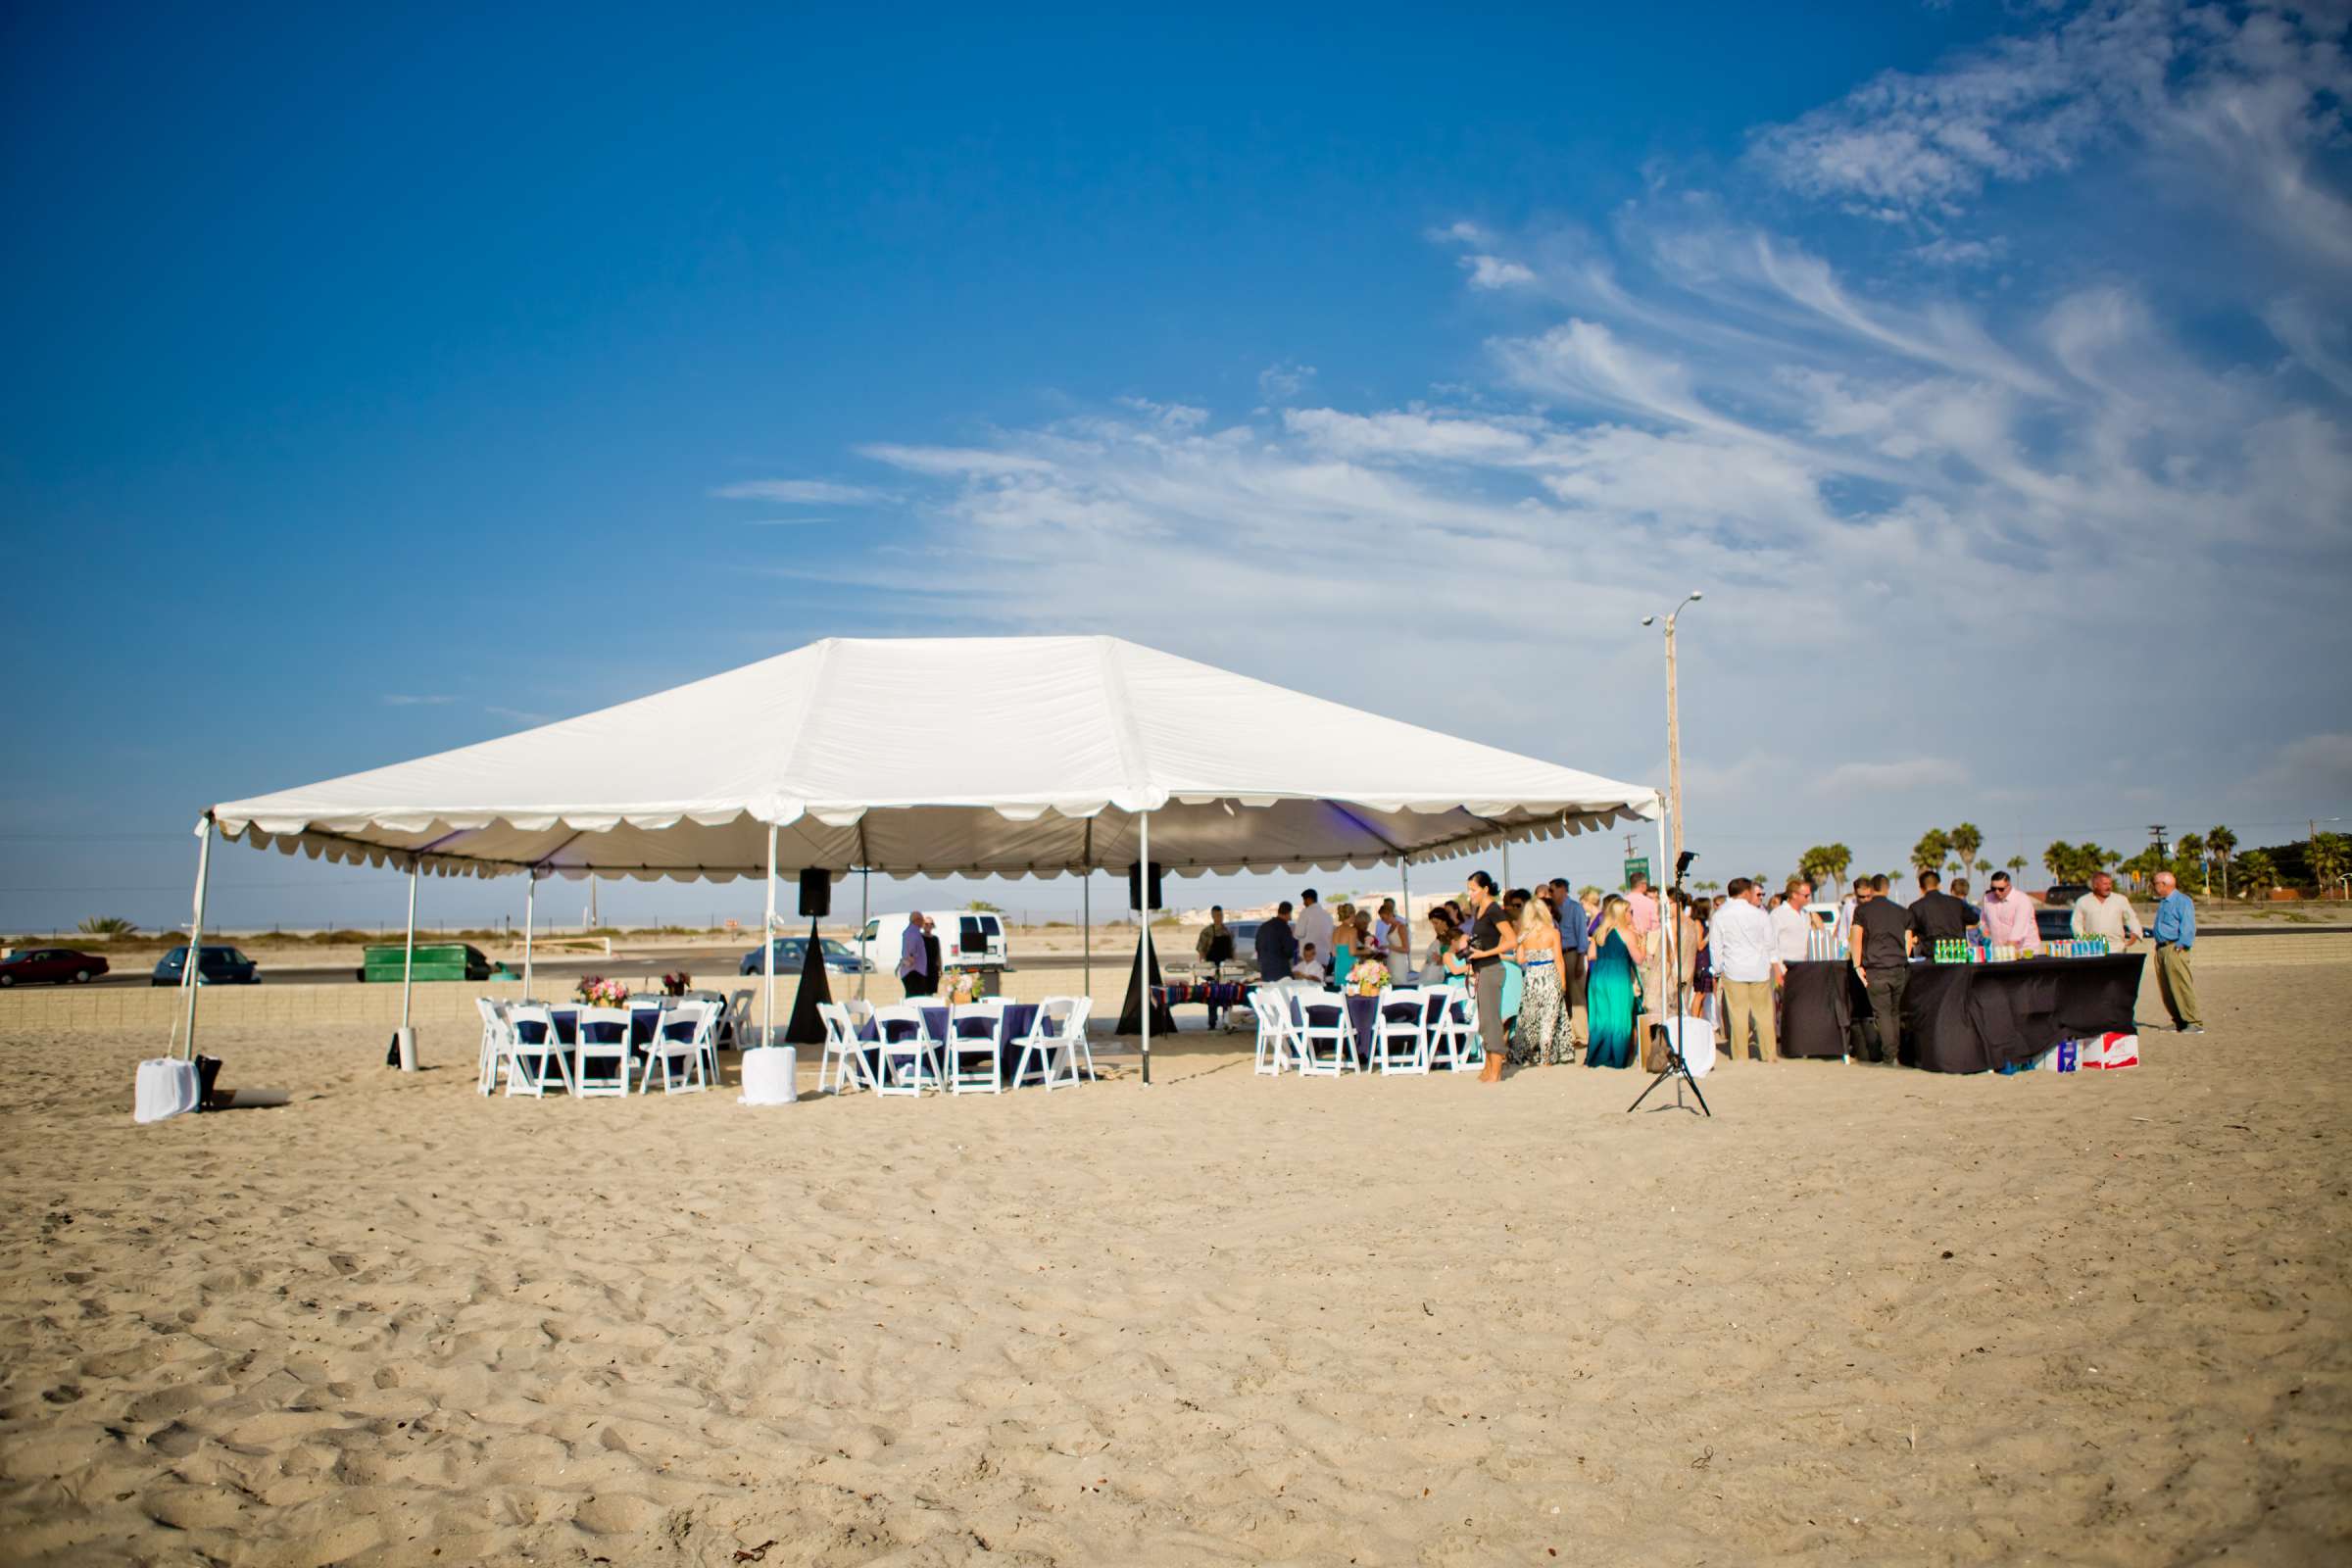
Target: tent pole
x: 530, y: 918
x: 1506, y: 865
x: 1143, y: 949
x: 865, y: 918
x: 1086, y: 927
x: 1404, y: 875
x: 767, y: 946
x: 188, y: 971
x: 408, y: 968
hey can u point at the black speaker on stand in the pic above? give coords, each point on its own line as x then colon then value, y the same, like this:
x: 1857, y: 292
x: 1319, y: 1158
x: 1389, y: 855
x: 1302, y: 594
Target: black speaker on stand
x: 816, y: 893
x: 808, y: 1027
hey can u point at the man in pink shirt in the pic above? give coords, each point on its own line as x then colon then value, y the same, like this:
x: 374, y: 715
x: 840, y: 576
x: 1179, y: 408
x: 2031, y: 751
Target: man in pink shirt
x: 2006, y: 916
x: 1643, y: 904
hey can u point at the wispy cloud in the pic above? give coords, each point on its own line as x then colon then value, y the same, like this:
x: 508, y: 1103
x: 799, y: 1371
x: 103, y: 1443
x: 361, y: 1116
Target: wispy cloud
x: 517, y: 714
x: 404, y: 699
x: 1493, y: 272
x: 801, y: 492
x: 1282, y: 381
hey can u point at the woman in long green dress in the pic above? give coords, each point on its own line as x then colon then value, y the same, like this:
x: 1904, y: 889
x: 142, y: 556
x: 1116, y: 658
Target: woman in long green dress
x: 1613, y: 987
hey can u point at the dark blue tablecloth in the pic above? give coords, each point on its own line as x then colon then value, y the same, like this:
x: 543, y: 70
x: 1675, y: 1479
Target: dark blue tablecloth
x: 1019, y: 1018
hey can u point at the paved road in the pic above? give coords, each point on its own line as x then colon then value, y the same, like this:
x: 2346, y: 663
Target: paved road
x: 703, y: 963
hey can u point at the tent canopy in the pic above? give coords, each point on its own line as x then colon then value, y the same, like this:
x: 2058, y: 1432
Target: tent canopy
x: 943, y: 756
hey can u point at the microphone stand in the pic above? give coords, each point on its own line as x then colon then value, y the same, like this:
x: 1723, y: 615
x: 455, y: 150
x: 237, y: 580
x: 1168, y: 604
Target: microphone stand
x: 1676, y: 1067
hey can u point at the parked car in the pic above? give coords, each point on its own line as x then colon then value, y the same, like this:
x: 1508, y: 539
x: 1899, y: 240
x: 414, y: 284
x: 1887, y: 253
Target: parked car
x: 968, y: 940
x: 793, y: 952
x: 388, y: 962
x: 55, y: 966
x: 214, y: 966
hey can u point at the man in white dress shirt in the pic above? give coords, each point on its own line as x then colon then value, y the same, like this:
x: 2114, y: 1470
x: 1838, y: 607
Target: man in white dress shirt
x: 1314, y: 924
x: 1791, y: 927
x: 1747, y: 965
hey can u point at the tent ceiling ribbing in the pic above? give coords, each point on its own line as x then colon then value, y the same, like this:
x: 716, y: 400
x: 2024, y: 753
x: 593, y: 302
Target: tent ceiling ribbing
x: 944, y: 757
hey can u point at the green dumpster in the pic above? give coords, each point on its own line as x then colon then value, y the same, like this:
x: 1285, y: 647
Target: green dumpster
x: 438, y: 961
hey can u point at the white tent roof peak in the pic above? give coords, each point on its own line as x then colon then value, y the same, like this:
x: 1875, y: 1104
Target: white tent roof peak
x: 944, y: 756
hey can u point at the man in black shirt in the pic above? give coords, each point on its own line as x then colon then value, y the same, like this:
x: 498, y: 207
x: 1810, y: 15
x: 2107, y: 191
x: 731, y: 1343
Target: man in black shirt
x: 1881, y: 954
x: 1935, y: 915
x: 1277, y: 946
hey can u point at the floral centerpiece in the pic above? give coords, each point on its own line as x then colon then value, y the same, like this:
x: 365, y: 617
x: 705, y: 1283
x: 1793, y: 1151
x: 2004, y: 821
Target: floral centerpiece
x: 674, y: 985
x: 597, y: 991
x: 1369, y: 978
x: 964, y: 987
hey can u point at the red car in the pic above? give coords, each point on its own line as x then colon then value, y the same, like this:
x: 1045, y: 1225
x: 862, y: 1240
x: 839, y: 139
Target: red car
x: 55, y: 965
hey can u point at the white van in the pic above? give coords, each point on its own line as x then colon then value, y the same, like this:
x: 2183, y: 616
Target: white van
x: 968, y: 940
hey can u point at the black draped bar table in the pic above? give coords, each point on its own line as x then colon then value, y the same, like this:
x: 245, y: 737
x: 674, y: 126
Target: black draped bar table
x: 1967, y: 1017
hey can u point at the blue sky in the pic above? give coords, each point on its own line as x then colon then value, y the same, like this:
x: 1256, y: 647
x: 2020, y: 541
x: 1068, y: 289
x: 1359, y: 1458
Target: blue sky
x: 377, y: 386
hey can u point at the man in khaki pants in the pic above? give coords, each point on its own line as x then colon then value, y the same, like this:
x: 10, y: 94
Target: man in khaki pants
x: 2176, y: 934
x: 1748, y: 966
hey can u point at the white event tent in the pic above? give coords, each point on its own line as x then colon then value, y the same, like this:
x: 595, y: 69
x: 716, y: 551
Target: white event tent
x: 938, y: 756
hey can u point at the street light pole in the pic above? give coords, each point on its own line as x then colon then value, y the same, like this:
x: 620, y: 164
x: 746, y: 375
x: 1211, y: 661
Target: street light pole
x: 1674, y: 732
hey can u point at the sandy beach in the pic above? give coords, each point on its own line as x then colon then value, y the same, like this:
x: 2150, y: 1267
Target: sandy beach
x: 1863, y: 1315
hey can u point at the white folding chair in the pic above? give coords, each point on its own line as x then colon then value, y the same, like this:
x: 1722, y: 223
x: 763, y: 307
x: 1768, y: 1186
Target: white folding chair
x: 494, y: 1034
x: 1051, y: 1046
x: 844, y: 1060
x: 680, y: 1034
x: 963, y: 1045
x: 533, y: 1052
x: 735, y: 1025
x: 604, y: 1037
x: 1273, y: 1009
x: 1400, y: 1031
x: 907, y: 1051
x: 1319, y: 1028
x: 1452, y: 1029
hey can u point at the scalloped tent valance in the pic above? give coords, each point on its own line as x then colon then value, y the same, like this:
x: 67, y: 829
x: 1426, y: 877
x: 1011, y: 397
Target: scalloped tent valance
x: 947, y: 757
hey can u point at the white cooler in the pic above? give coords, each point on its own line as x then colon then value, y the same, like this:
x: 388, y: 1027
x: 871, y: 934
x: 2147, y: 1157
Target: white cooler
x: 770, y: 1075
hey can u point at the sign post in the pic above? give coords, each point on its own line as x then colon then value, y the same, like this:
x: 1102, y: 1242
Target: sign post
x: 1636, y: 865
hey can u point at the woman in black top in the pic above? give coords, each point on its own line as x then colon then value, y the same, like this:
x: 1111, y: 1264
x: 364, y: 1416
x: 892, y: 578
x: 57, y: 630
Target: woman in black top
x: 1491, y: 937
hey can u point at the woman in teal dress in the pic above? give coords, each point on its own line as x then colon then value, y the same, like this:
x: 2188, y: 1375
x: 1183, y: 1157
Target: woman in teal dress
x: 1613, y: 987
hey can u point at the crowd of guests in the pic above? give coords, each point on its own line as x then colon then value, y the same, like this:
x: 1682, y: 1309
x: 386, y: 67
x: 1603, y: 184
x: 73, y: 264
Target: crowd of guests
x: 1533, y: 956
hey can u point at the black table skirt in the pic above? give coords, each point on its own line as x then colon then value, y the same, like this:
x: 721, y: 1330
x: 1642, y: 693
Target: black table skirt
x: 1820, y: 999
x: 1966, y: 1017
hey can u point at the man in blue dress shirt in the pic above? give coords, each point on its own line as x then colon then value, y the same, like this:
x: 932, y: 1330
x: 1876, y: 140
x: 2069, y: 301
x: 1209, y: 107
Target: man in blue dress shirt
x: 2176, y: 934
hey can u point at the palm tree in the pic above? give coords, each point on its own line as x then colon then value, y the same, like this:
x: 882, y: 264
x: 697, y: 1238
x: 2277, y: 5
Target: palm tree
x: 1966, y: 839
x: 1983, y: 869
x: 2256, y: 871
x: 2222, y: 842
x: 2017, y: 863
x: 2326, y: 855
x: 1929, y: 853
x: 2190, y: 850
x: 2059, y: 861
x: 105, y: 925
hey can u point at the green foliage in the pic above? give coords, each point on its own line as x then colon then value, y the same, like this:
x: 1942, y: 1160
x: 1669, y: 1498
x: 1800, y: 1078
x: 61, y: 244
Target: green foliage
x: 1826, y: 862
x: 2329, y: 856
x: 2222, y: 845
x: 983, y: 906
x: 1965, y: 839
x: 1929, y: 854
x: 2257, y: 872
x: 105, y: 925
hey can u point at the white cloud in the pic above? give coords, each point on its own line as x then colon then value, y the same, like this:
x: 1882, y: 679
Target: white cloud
x: 1493, y: 272
x: 404, y: 699
x: 800, y: 492
x: 519, y: 714
x: 949, y: 461
x: 1282, y: 381
x: 2239, y: 103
